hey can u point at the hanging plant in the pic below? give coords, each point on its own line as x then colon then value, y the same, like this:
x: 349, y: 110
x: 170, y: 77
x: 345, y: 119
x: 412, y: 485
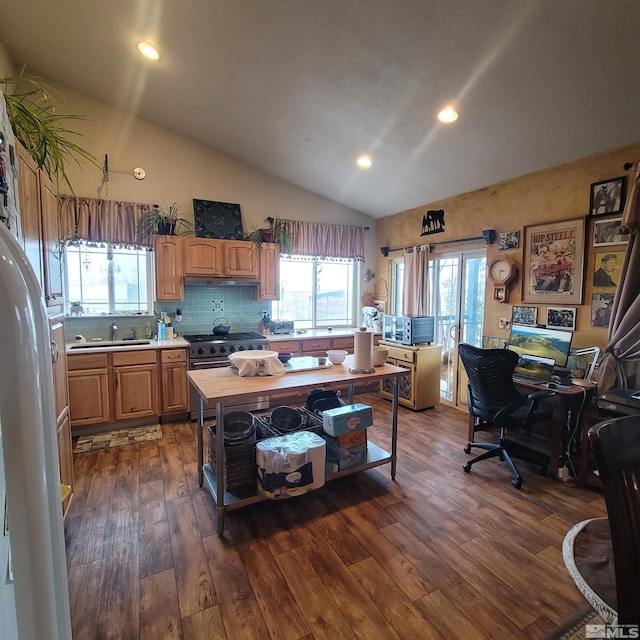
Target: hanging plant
x: 43, y: 132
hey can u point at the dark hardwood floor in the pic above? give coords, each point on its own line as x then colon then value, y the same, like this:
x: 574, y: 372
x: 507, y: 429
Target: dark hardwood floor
x: 437, y: 553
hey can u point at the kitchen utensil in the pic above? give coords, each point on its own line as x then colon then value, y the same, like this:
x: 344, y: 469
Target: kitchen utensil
x: 285, y: 419
x: 336, y: 356
x: 380, y: 355
x: 316, y: 394
x: 326, y: 403
x: 285, y: 356
x: 221, y: 329
x: 239, y: 427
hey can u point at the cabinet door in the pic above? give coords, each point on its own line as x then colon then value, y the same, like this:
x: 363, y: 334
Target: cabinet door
x: 29, y: 192
x: 136, y: 391
x: 240, y: 259
x: 169, y: 272
x: 203, y: 257
x: 316, y: 346
x: 174, y: 387
x: 59, y: 358
x: 269, y: 287
x: 65, y: 454
x: 88, y: 397
x: 50, y: 243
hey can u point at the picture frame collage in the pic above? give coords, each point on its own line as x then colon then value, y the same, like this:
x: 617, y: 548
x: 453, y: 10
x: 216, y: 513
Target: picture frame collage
x: 554, y: 262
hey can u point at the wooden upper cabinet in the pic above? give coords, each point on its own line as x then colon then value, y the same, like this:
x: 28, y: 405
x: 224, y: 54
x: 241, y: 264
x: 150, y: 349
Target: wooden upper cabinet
x: 269, y: 287
x: 240, y: 259
x: 53, y: 293
x: 169, y: 268
x: 203, y: 257
x: 29, y: 193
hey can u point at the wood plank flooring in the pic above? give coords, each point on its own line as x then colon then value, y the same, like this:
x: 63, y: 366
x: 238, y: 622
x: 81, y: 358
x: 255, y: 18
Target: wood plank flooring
x: 437, y: 553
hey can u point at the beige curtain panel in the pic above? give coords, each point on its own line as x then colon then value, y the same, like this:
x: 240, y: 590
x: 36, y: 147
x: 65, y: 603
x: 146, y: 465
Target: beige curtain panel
x: 96, y: 220
x: 326, y: 240
x: 415, y: 280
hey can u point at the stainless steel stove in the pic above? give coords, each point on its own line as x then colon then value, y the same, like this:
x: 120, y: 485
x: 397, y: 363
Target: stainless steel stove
x: 211, y: 351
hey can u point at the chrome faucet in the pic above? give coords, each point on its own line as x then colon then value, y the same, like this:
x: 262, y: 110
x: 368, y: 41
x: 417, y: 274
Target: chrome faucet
x: 113, y: 331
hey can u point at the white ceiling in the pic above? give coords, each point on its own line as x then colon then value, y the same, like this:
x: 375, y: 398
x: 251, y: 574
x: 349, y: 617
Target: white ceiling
x: 300, y: 88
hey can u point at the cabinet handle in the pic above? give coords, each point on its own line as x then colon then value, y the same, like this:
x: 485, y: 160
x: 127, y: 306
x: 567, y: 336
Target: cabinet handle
x: 173, y: 357
x: 54, y: 352
x: 117, y: 380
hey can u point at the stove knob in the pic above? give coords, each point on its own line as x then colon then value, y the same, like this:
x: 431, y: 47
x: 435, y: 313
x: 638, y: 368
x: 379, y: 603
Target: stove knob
x: 259, y: 347
x: 200, y: 351
x: 232, y: 349
x: 223, y: 349
x: 212, y: 350
x: 241, y: 347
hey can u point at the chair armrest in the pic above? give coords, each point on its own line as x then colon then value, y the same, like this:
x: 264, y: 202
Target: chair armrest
x: 540, y: 395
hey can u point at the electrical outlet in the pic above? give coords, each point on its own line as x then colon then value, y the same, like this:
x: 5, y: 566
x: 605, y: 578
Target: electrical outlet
x: 563, y: 474
x: 218, y: 305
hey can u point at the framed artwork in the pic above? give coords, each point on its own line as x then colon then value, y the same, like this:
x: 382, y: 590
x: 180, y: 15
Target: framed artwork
x: 606, y: 268
x: 601, y: 306
x: 607, y: 232
x: 553, y: 264
x: 508, y: 240
x: 561, y: 318
x: 608, y: 196
x: 524, y: 315
x: 217, y: 220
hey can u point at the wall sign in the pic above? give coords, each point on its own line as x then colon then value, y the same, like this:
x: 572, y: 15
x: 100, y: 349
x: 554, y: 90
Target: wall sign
x: 217, y: 220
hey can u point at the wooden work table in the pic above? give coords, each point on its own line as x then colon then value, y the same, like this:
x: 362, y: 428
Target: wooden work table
x: 222, y: 385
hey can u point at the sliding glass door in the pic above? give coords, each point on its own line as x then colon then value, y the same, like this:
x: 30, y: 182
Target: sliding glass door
x: 456, y: 286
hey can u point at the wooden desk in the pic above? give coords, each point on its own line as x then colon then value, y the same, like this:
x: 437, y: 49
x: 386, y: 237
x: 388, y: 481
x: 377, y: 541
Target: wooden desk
x: 566, y: 406
x: 221, y: 385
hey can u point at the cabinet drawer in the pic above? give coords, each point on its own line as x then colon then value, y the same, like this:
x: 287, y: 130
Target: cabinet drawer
x: 87, y: 361
x: 134, y: 357
x: 284, y: 346
x: 342, y: 343
x: 173, y: 355
x: 402, y: 355
x: 315, y: 344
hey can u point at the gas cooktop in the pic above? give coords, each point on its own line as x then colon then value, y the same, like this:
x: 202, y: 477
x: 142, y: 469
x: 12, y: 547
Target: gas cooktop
x: 212, y: 337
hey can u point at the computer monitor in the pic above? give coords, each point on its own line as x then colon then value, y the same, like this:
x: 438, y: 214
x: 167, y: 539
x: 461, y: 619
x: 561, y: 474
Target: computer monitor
x: 540, y: 341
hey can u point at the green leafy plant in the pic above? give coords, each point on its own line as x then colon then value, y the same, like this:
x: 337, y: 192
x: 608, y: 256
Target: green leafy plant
x: 277, y: 232
x: 43, y: 132
x: 163, y: 221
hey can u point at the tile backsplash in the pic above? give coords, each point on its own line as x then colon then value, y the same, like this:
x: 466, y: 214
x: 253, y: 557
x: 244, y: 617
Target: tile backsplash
x: 200, y: 308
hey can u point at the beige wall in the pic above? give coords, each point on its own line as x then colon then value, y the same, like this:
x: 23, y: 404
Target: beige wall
x: 558, y: 193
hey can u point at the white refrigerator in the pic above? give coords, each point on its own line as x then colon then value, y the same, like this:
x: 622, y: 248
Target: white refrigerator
x: 34, y: 595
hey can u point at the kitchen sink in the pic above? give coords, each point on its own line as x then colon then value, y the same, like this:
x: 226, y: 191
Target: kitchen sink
x: 109, y: 343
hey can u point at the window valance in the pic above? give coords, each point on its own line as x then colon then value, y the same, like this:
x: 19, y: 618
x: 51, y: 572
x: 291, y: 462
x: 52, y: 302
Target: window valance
x: 97, y: 220
x: 326, y: 240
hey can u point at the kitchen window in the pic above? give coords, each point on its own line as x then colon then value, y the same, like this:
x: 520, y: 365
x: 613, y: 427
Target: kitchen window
x: 317, y: 292
x: 108, y: 279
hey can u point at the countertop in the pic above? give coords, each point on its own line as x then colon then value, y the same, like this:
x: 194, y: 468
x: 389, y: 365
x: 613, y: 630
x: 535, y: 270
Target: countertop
x: 106, y: 345
x: 316, y: 333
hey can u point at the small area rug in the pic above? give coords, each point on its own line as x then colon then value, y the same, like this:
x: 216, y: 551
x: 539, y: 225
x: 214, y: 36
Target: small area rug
x: 118, y: 437
x: 576, y: 627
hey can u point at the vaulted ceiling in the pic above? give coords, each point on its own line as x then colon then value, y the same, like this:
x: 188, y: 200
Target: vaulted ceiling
x: 301, y: 88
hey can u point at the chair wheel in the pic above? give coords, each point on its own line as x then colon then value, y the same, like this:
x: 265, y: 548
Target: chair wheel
x: 467, y: 467
x: 501, y: 458
x: 517, y: 483
x: 467, y: 449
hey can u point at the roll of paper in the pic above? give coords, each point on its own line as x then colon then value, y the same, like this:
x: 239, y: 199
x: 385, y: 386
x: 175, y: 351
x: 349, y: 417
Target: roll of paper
x: 363, y: 350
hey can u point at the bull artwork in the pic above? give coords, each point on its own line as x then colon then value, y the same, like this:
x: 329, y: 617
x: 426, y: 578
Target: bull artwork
x: 433, y: 222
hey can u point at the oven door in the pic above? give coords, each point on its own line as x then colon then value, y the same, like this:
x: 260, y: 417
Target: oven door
x: 258, y: 404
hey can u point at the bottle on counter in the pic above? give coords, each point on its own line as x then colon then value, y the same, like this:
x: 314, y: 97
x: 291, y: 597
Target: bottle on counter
x: 162, y: 331
x: 169, y: 331
x: 148, y: 334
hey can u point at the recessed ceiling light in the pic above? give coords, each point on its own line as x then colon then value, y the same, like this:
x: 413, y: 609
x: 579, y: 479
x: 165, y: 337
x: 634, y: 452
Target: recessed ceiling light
x: 148, y: 50
x: 364, y: 162
x: 448, y: 115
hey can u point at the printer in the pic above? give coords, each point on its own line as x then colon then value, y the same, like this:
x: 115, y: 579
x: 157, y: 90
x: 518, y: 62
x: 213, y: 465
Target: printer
x: 620, y: 401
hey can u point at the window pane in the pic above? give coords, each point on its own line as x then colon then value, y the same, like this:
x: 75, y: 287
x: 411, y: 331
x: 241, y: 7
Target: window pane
x: 335, y: 292
x: 129, y: 270
x: 296, y: 299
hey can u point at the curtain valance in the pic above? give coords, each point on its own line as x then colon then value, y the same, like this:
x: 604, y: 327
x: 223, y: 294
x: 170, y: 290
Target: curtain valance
x: 326, y: 240
x: 97, y: 220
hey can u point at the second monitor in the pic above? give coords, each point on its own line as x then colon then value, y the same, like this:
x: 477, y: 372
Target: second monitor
x: 540, y: 341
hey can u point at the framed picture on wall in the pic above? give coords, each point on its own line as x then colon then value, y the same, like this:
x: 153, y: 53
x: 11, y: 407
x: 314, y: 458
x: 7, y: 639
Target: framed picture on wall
x: 601, y: 306
x: 561, y: 318
x: 608, y: 196
x: 553, y: 262
x: 607, y: 232
x: 606, y: 268
x: 524, y: 315
x: 508, y: 240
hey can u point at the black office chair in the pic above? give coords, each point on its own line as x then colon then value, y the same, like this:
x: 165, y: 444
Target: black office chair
x: 494, y: 399
x: 602, y: 555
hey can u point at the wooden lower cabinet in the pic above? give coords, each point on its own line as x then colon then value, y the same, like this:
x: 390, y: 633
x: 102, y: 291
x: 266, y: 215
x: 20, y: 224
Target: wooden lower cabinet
x: 175, y: 389
x: 420, y: 388
x: 136, y: 391
x: 88, y: 395
x: 65, y: 454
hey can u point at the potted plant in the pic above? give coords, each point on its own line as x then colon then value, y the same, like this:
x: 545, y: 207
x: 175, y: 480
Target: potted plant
x: 41, y: 130
x: 277, y: 232
x: 163, y: 221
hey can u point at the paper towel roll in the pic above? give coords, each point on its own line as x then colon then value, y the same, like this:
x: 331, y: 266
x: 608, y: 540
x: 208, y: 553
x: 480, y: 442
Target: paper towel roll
x: 363, y: 350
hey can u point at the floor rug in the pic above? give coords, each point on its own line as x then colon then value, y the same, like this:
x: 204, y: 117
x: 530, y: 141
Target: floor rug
x: 117, y: 438
x: 576, y: 627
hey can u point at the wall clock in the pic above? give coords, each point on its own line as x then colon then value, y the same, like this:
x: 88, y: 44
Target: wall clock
x: 502, y: 271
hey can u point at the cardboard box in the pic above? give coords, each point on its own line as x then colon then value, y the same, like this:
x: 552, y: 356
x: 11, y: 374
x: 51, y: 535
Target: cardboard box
x: 347, y: 450
x: 345, y: 419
